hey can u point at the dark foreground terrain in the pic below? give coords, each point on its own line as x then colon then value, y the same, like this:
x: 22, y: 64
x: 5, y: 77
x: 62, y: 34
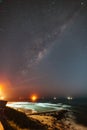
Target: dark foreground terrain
x: 12, y: 119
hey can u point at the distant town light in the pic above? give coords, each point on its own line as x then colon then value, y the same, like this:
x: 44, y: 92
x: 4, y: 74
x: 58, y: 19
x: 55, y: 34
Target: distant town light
x: 69, y: 98
x: 54, y: 98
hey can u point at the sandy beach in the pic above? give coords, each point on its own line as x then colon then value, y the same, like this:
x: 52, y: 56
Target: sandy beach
x: 59, y: 120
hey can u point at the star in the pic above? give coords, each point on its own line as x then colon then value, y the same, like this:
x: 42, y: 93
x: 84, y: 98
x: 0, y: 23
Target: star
x: 82, y: 3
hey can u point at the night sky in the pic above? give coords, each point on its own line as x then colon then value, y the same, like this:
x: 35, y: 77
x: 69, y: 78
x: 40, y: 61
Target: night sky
x: 43, y: 47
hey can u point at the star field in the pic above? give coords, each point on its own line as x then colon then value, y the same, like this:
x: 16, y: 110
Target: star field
x: 29, y: 33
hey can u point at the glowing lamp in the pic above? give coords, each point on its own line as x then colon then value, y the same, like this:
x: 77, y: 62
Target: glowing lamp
x: 33, y: 98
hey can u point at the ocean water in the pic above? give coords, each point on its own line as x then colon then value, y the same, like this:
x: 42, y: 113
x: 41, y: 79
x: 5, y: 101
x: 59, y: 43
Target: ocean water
x: 38, y: 107
x: 78, y: 107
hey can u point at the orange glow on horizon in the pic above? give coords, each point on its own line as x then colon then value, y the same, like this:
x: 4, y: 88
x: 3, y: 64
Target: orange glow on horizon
x: 2, y: 98
x: 4, y: 89
x: 1, y: 92
x: 7, y: 89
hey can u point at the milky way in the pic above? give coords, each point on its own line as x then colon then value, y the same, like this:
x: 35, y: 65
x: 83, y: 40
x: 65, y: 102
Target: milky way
x: 29, y: 30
